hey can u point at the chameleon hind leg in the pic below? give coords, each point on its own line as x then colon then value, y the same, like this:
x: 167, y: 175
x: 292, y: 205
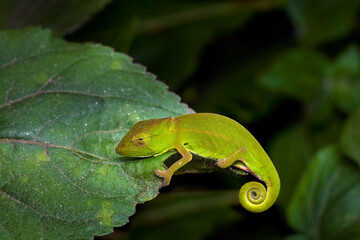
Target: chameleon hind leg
x: 238, y: 158
x: 167, y: 174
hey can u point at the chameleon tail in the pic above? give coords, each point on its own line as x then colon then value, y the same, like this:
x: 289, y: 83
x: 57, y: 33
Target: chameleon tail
x: 254, y: 197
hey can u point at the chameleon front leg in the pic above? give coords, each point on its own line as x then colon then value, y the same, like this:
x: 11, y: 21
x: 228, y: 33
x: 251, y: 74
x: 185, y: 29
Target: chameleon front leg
x: 167, y: 174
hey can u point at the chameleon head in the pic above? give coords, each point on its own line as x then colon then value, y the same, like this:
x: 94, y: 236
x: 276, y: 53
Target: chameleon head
x: 146, y: 138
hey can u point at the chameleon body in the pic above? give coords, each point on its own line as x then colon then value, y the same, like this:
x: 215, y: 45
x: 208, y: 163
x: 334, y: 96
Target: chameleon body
x: 211, y: 136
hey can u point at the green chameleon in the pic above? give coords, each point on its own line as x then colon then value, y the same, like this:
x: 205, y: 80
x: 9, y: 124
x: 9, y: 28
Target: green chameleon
x: 211, y: 136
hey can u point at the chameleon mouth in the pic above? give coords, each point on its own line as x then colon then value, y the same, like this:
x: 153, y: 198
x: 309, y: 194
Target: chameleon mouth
x: 119, y: 149
x: 129, y: 151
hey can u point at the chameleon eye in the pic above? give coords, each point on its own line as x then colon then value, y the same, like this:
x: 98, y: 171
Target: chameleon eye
x: 141, y: 138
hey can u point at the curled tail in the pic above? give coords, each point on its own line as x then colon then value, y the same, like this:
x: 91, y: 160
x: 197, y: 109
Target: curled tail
x: 254, y: 197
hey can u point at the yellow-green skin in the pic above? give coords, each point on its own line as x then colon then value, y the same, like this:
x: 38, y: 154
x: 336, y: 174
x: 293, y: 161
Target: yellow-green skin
x: 212, y: 136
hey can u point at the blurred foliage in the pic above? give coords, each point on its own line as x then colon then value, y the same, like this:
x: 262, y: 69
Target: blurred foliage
x: 320, y: 21
x: 296, y: 141
x: 62, y: 17
x: 309, y: 68
x: 326, y: 202
x: 288, y: 70
x: 169, y: 38
x: 350, y: 137
x: 186, y: 215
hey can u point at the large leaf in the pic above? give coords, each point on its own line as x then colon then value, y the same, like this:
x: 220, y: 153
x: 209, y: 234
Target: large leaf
x: 319, y: 21
x: 63, y: 109
x: 61, y: 16
x: 326, y: 202
x: 350, y: 137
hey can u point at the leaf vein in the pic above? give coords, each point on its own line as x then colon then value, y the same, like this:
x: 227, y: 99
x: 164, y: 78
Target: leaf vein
x: 11, y: 102
x: 34, y: 209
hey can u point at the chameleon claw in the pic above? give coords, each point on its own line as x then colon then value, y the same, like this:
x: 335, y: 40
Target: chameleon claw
x: 166, y: 175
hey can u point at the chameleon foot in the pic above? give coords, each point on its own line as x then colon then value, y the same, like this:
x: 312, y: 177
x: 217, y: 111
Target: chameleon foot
x: 224, y: 163
x: 237, y: 157
x: 166, y: 175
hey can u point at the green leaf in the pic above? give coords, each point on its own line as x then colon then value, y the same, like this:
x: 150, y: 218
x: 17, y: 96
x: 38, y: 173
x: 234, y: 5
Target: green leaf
x: 63, y: 109
x: 350, y: 137
x: 326, y: 202
x: 348, y: 62
x: 344, y: 79
x: 320, y: 21
x: 296, y: 73
x: 61, y: 16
